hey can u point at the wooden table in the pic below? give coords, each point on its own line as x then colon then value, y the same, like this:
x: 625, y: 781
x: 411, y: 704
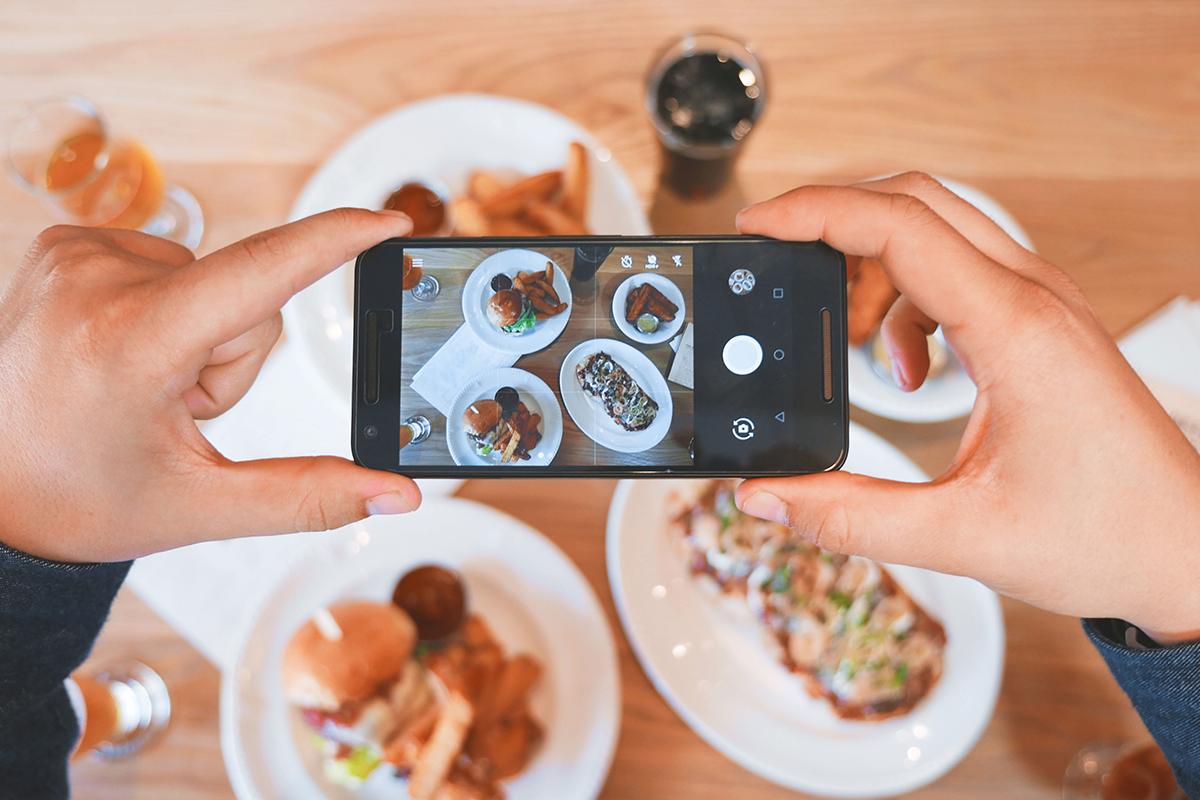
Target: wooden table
x: 1079, y: 117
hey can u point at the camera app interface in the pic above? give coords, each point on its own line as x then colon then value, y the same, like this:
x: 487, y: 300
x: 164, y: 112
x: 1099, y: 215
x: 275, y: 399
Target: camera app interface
x: 548, y: 356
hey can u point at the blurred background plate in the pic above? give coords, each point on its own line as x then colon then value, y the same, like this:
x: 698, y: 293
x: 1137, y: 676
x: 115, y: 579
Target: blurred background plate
x: 443, y: 138
x: 708, y: 661
x: 532, y: 596
x: 951, y: 394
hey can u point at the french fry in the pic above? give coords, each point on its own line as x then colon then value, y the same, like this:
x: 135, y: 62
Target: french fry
x: 433, y: 764
x: 549, y: 276
x: 532, y: 424
x: 519, y: 675
x: 513, y: 441
x: 510, y: 200
x: 406, y: 745
x: 868, y: 301
x: 637, y: 302
x: 484, y: 185
x: 547, y: 289
x: 469, y: 219
x: 575, y: 183
x: 541, y: 305
x: 556, y: 221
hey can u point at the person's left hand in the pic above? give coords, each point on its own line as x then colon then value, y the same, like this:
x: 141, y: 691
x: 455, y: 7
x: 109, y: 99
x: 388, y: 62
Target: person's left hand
x: 112, y: 344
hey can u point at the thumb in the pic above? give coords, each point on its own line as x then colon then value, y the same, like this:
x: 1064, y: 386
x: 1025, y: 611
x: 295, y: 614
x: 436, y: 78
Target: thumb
x: 286, y: 495
x: 899, y: 523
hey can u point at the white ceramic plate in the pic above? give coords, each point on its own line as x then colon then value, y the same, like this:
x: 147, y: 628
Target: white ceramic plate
x: 477, y: 291
x: 667, y: 330
x: 593, y: 420
x: 705, y: 655
x: 951, y: 394
x: 535, y: 394
x: 443, y: 138
x: 532, y: 596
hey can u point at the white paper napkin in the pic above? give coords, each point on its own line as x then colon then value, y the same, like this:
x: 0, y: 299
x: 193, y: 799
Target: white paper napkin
x: 459, y: 360
x: 1165, y: 351
x: 210, y: 592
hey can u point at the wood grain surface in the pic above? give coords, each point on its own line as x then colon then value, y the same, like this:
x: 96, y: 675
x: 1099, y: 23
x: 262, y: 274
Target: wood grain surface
x: 1079, y: 116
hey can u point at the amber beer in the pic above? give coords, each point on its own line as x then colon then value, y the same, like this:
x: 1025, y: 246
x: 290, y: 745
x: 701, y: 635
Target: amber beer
x: 119, y: 710
x: 113, y: 184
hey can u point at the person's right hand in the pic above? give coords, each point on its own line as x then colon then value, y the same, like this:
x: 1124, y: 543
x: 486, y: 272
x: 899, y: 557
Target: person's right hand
x: 1072, y: 489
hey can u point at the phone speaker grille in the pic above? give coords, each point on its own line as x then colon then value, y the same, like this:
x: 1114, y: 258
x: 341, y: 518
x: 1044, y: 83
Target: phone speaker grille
x: 827, y: 353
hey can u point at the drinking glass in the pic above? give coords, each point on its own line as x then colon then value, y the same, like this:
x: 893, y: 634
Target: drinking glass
x: 63, y: 151
x: 1132, y: 771
x: 120, y: 709
x: 704, y: 94
x: 414, y: 430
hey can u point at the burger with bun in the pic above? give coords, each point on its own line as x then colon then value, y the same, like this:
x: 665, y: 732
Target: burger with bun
x: 481, y: 423
x: 350, y: 670
x: 511, y: 311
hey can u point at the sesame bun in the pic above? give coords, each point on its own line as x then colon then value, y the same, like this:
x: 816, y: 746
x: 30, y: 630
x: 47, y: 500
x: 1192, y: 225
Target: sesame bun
x: 322, y: 673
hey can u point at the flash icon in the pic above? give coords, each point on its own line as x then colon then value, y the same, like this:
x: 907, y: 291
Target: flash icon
x: 678, y: 260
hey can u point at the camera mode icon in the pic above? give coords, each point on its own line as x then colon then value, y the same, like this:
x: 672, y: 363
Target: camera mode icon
x: 743, y: 429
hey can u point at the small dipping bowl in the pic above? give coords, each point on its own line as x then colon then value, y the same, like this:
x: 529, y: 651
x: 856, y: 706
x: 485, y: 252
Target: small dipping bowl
x: 436, y: 599
x: 427, y: 203
x: 647, y: 323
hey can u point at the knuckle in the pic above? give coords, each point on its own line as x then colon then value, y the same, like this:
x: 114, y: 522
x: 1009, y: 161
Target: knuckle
x: 831, y: 530
x: 265, y: 248
x: 313, y: 513
x: 918, y: 183
x: 910, y: 210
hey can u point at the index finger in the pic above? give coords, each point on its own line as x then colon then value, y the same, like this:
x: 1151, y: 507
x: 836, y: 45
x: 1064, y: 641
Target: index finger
x: 926, y: 258
x: 236, y: 288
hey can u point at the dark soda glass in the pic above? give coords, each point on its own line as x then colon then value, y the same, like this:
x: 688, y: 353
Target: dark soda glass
x: 705, y: 94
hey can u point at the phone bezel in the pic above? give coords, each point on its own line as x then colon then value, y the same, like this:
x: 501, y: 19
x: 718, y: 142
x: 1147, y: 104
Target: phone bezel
x: 376, y: 454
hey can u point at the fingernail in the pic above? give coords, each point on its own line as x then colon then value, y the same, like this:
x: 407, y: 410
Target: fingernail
x: 897, y: 373
x: 765, y: 505
x: 738, y: 219
x: 388, y: 503
x: 392, y: 212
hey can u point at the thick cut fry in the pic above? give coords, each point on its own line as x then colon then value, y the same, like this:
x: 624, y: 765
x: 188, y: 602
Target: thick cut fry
x: 511, y: 199
x: 548, y: 288
x: 469, y: 219
x: 549, y: 276
x: 507, y: 745
x: 868, y: 301
x: 636, y: 302
x: 532, y: 423
x: 438, y: 755
x: 405, y: 746
x: 575, y: 183
x: 520, y: 673
x: 511, y: 448
x: 556, y: 221
x: 484, y: 185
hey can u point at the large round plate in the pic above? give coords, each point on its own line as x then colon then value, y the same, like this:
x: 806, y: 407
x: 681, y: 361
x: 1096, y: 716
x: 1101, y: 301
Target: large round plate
x: 593, y: 420
x: 443, y: 138
x: 536, y: 395
x: 951, y: 394
x: 705, y: 656
x: 532, y: 596
x: 670, y: 291
x: 477, y: 291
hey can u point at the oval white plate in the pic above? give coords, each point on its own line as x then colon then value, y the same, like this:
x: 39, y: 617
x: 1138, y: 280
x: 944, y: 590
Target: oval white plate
x: 951, y: 394
x: 669, y: 290
x: 532, y: 596
x: 536, y: 395
x: 593, y: 420
x: 444, y: 138
x: 477, y: 291
x: 704, y: 654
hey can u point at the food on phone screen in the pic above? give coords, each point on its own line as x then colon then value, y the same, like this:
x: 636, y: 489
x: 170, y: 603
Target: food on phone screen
x: 550, y: 203
x: 841, y: 622
x: 623, y: 400
x: 510, y: 433
x: 647, y: 323
x: 501, y: 282
x: 511, y: 311
x: 646, y: 299
x: 423, y: 206
x: 869, y: 297
x: 453, y: 717
x: 508, y: 398
x: 435, y: 599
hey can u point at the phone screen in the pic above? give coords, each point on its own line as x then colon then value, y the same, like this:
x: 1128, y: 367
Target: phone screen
x: 617, y: 355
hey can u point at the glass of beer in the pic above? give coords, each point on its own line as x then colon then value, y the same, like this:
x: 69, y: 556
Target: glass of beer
x: 119, y: 709
x: 1132, y: 771
x: 62, y: 150
x: 414, y: 430
x: 421, y: 286
x: 704, y: 95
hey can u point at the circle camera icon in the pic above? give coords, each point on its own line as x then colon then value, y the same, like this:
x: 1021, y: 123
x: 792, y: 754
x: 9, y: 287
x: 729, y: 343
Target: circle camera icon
x: 743, y: 429
x: 741, y: 282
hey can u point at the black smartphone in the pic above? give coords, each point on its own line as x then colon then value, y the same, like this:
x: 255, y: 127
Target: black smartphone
x: 600, y: 357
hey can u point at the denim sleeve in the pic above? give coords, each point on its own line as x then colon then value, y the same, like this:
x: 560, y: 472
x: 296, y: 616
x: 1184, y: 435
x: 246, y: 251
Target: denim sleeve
x: 1164, y: 685
x: 50, y: 615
